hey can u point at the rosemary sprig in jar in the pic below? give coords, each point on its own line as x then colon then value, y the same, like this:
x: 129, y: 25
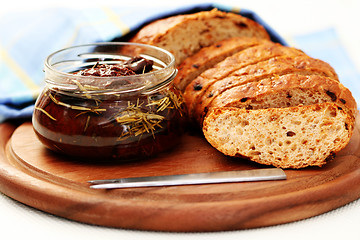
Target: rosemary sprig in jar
x: 46, y: 113
x: 94, y: 110
x: 137, y: 121
x: 171, y: 100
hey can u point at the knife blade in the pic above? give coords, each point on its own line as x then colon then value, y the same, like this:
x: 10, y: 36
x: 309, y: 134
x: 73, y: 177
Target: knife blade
x: 191, y: 179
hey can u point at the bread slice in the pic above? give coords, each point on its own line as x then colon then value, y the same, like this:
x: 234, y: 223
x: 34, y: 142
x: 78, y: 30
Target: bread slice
x: 277, y: 66
x: 285, y: 91
x: 294, y: 137
x: 184, y: 35
x: 242, y: 59
x: 207, y: 57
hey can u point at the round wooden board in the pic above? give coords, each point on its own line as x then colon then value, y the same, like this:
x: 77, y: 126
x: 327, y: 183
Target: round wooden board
x: 56, y: 184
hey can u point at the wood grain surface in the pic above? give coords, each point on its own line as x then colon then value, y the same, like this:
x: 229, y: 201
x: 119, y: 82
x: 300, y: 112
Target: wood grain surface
x: 58, y: 184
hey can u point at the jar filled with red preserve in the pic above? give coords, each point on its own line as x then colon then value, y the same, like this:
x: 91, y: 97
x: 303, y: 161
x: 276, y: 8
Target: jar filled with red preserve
x: 109, y: 101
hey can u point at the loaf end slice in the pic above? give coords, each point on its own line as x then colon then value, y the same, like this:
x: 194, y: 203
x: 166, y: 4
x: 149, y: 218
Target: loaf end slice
x: 184, y: 35
x: 294, y: 137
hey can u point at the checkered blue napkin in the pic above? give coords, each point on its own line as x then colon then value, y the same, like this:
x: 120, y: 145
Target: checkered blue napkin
x: 28, y: 38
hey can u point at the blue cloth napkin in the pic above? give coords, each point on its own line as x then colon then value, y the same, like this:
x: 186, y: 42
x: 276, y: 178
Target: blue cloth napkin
x: 28, y: 38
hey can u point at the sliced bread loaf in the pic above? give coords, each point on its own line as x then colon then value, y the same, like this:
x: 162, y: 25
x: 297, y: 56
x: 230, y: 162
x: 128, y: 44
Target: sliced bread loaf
x: 278, y: 66
x: 184, y: 35
x: 207, y: 57
x: 254, y: 98
x: 242, y: 59
x: 293, y: 137
x: 285, y: 91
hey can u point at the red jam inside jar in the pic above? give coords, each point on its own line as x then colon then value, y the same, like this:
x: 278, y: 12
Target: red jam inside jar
x: 109, y: 101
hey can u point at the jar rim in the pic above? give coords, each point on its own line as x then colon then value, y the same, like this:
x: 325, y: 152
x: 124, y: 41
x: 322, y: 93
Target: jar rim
x: 168, y: 71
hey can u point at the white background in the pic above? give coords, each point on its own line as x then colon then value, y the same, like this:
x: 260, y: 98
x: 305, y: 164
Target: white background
x: 18, y: 221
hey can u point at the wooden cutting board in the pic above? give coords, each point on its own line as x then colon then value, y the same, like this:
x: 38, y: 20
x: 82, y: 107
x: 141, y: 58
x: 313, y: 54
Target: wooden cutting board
x: 55, y: 184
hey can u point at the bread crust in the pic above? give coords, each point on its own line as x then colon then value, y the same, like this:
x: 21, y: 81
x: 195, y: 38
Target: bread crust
x: 207, y: 57
x: 277, y: 66
x: 242, y: 59
x: 184, y: 35
x: 241, y: 96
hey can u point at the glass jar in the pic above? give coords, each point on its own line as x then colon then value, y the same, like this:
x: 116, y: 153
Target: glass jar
x: 108, y: 117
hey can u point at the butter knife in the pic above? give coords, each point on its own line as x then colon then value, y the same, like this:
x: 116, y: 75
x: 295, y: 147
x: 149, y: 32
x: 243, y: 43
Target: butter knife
x: 190, y: 179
